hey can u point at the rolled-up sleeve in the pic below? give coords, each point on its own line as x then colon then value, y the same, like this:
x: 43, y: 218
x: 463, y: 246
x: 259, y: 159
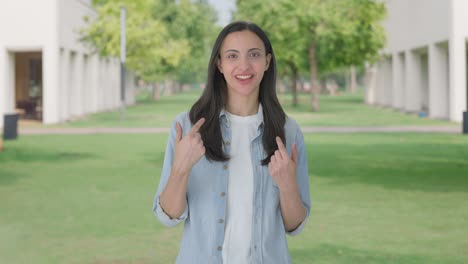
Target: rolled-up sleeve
x: 166, y: 219
x: 166, y: 172
x: 302, y: 179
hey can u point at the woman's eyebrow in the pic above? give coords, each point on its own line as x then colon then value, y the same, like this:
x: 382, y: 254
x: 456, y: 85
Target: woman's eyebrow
x: 231, y: 50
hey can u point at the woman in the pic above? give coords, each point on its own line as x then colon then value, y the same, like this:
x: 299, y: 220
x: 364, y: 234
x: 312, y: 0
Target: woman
x: 235, y: 167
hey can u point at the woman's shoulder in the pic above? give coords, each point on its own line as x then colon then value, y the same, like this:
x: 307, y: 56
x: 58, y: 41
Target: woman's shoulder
x: 291, y: 126
x: 293, y: 131
x: 182, y: 116
x: 184, y: 120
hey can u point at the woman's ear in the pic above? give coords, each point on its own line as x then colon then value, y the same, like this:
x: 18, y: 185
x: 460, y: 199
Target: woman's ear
x: 268, y: 59
x: 218, y: 64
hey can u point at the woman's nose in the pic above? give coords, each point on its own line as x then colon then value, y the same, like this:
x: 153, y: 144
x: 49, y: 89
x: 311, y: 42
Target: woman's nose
x: 244, y: 63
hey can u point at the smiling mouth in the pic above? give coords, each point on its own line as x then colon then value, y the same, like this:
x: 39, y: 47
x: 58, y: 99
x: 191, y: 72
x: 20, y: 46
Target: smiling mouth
x: 244, y: 77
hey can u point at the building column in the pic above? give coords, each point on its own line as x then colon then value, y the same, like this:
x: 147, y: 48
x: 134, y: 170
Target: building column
x: 388, y: 82
x: 438, y: 81
x: 51, y: 99
x: 457, y: 61
x: 412, y: 85
x: 86, y: 102
x: 380, y: 82
x: 457, y: 75
x: 3, y: 82
x: 398, y: 80
x: 78, y: 84
x: 64, y: 108
x: 72, y: 85
x: 370, y: 83
x: 7, y: 82
x: 94, y: 82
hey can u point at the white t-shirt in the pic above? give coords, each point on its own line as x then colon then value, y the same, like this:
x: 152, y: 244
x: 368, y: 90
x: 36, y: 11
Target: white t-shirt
x: 238, y: 229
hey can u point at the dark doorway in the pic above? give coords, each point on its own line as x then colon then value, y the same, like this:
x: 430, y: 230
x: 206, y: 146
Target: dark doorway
x: 28, y: 85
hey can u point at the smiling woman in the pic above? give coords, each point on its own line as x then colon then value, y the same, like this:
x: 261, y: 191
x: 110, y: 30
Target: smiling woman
x: 235, y: 167
x: 243, y: 62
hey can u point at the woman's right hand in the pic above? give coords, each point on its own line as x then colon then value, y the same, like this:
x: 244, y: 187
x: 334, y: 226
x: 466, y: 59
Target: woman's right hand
x: 188, y: 149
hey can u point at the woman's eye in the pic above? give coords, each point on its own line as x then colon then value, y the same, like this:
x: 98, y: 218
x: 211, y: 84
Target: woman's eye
x: 231, y: 56
x: 255, y: 54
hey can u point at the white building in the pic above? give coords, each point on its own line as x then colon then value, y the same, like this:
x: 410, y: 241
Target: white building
x: 45, y: 72
x: 424, y: 65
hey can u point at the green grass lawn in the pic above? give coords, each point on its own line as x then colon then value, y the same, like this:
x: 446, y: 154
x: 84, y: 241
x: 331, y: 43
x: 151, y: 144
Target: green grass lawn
x: 343, y: 110
x: 376, y: 198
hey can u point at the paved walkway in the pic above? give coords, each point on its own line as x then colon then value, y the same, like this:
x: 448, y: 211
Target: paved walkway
x: 155, y: 130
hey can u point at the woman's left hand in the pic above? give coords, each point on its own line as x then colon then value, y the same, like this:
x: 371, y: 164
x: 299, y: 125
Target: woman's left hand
x: 283, y: 168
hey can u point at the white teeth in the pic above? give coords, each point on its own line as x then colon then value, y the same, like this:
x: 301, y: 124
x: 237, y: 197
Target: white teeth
x: 244, y: 77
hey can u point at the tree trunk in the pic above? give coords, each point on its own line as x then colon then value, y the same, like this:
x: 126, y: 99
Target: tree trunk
x: 315, y: 89
x: 294, y: 82
x: 168, y: 87
x: 353, y: 80
x: 348, y: 81
x: 156, y: 92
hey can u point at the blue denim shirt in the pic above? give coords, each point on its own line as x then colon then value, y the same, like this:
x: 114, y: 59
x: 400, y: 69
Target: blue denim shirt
x: 204, y: 215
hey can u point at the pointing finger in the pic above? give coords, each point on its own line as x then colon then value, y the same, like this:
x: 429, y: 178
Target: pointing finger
x: 282, y: 148
x: 294, y: 153
x: 179, y: 132
x: 197, y: 126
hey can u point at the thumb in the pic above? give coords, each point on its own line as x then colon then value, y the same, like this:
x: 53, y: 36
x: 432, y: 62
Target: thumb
x: 179, y: 132
x: 294, y: 153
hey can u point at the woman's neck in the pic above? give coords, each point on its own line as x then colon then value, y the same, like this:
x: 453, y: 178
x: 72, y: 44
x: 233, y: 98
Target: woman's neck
x: 244, y: 107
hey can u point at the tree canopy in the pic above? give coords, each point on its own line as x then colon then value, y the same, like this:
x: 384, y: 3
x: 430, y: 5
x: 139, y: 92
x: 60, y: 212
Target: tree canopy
x: 165, y: 38
x: 319, y: 36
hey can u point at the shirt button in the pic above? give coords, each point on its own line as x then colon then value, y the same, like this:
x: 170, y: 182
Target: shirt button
x: 219, y: 248
x: 225, y: 167
x: 227, y: 143
x: 222, y: 194
x: 220, y: 221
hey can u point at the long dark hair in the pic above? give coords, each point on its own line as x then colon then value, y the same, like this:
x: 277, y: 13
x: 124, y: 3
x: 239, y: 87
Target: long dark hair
x: 214, y: 99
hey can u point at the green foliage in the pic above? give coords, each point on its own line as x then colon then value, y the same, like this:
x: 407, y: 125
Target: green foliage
x: 194, y: 23
x: 344, y: 32
x: 352, y: 36
x: 279, y: 22
x: 165, y: 38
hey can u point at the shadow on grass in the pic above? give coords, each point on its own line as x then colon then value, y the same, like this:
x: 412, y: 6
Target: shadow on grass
x: 326, y: 253
x: 14, y: 157
x: 328, y: 104
x: 8, y: 176
x: 409, y: 166
x: 36, y: 155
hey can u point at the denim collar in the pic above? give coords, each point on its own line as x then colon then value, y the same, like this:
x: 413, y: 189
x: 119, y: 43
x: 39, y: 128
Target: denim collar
x: 225, y: 121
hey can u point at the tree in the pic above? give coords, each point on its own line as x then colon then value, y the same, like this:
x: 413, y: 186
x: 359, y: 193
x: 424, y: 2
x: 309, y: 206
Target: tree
x: 166, y: 39
x: 149, y: 47
x: 334, y: 33
x: 283, y: 33
x: 194, y: 22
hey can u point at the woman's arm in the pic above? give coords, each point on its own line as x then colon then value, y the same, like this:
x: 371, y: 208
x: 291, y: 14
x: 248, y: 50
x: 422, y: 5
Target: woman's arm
x: 283, y: 169
x: 188, y: 151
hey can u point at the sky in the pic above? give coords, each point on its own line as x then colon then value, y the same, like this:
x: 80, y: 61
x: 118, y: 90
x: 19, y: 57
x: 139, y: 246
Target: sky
x: 224, y: 8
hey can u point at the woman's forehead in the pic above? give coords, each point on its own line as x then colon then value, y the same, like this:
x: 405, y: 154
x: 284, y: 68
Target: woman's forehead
x: 242, y: 40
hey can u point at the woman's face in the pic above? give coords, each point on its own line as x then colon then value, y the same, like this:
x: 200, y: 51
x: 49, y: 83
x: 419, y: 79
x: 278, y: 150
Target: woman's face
x: 243, y: 61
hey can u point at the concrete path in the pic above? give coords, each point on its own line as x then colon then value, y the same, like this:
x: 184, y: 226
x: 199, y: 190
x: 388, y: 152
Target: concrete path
x: 147, y: 130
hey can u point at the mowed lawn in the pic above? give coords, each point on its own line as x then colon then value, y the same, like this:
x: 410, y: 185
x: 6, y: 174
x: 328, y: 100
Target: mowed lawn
x: 376, y: 198
x: 343, y: 110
